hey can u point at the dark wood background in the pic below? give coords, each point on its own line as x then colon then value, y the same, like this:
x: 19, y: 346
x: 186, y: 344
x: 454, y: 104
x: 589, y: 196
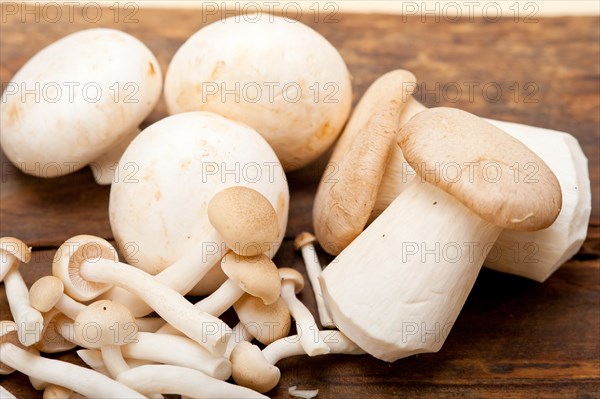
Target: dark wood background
x: 514, y: 338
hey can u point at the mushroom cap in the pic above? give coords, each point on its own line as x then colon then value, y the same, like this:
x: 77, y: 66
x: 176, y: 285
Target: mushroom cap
x: 483, y: 167
x: 105, y: 323
x: 250, y: 369
x: 9, y: 334
x: 267, y: 323
x: 256, y: 275
x: 245, y: 219
x: 303, y: 239
x: 52, y: 340
x: 62, y: 124
x: 348, y: 189
x: 289, y: 274
x: 68, y: 258
x: 16, y: 247
x: 294, y: 87
x: 45, y: 293
x: 166, y: 216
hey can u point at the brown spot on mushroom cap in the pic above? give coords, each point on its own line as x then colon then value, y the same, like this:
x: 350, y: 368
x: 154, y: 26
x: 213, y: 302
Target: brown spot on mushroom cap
x: 250, y: 369
x: 245, y: 218
x: 303, y: 239
x: 508, y: 196
x: 289, y: 274
x: 16, y: 247
x: 8, y: 334
x: 348, y: 189
x: 45, y: 293
x: 151, y: 70
x: 256, y: 275
x: 267, y: 323
x: 105, y: 323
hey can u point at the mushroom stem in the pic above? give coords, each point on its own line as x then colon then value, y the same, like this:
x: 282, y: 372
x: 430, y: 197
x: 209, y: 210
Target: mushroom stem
x: 53, y: 391
x: 4, y: 394
x: 215, y: 304
x: 103, y: 168
x: 113, y: 360
x: 7, y: 262
x: 181, y: 276
x: 305, y: 323
x: 239, y: 333
x: 207, y: 330
x: 304, y: 242
x: 424, y: 253
x: 93, y: 359
x: 29, y: 321
x: 79, y: 379
x: 182, y: 381
x: 291, y: 346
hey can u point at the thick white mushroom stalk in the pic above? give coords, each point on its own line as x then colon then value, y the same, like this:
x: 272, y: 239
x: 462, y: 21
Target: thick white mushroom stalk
x: 159, y: 216
x: 88, y: 93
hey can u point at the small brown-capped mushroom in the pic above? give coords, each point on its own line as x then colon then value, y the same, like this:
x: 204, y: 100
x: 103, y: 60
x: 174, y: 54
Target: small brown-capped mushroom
x: 79, y: 379
x: 304, y: 243
x: 88, y: 266
x: 182, y: 381
x: 266, y: 323
x: 425, y: 250
x: 241, y: 217
x: 255, y: 275
x: 292, y: 282
x: 52, y: 341
x: 29, y: 321
x: 106, y: 325
x: 348, y: 189
x: 256, y: 369
x: 56, y: 392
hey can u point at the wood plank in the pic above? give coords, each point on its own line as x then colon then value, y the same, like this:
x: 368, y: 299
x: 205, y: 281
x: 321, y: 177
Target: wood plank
x: 514, y: 338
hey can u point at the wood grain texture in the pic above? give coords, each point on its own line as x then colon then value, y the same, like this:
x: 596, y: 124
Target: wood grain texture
x: 515, y: 338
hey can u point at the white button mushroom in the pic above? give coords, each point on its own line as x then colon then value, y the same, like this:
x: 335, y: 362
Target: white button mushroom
x: 256, y: 369
x: 292, y: 282
x: 76, y: 99
x: 397, y: 289
x: 165, y: 215
x: 88, y: 266
x: 84, y: 381
x: 29, y: 321
x: 278, y: 76
x: 304, y: 243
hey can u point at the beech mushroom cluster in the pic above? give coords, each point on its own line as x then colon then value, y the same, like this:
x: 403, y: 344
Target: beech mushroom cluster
x: 204, y: 199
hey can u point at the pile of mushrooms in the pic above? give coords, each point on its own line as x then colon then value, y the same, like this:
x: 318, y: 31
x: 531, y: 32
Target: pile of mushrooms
x: 420, y: 199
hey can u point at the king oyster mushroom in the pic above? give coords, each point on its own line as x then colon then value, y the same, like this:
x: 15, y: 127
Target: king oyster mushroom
x: 276, y: 75
x: 79, y: 101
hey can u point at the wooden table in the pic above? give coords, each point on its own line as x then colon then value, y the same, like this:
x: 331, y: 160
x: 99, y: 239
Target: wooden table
x: 514, y: 337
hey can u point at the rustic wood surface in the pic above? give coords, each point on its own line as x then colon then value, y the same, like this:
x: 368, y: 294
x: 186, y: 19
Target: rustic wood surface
x: 514, y: 338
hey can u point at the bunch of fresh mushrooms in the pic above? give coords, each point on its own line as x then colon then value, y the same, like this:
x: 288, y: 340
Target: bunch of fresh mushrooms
x: 413, y: 203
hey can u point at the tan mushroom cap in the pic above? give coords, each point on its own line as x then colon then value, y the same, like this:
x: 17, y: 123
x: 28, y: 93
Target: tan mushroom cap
x: 69, y: 257
x: 303, y: 239
x: 256, y: 275
x: 348, y: 189
x: 246, y: 220
x: 16, y: 247
x: 267, y: 323
x: 250, y: 369
x: 52, y: 340
x: 45, y: 293
x: 105, y: 323
x: 495, y: 180
x: 289, y: 274
x: 8, y: 334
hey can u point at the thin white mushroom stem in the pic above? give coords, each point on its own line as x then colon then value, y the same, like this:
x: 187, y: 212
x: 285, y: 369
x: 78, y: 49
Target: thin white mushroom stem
x: 304, y: 242
x: 239, y: 333
x: 5, y: 394
x: 182, y: 381
x: 290, y: 346
x: 113, y: 360
x: 93, y: 359
x: 215, y: 304
x: 305, y: 323
x: 29, y: 321
x: 181, y: 276
x: 79, y: 379
x: 203, y: 328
